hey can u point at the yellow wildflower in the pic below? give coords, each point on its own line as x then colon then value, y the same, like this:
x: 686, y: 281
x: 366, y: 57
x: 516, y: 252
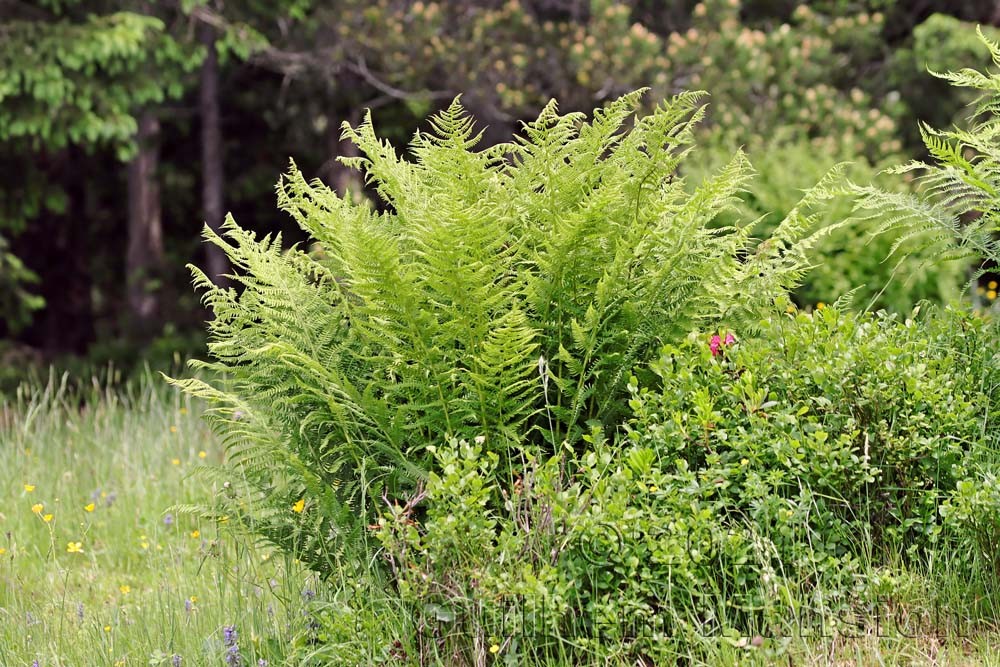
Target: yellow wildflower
x: 125, y: 589
x: 299, y: 506
x: 202, y: 454
x: 195, y: 534
x: 173, y: 429
x: 74, y: 547
x: 89, y: 507
x: 37, y: 508
x: 176, y: 462
x: 47, y: 518
x: 29, y: 487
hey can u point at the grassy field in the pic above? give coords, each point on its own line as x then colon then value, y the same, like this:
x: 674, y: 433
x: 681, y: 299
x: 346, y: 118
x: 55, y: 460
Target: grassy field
x: 97, y: 569
x: 94, y: 567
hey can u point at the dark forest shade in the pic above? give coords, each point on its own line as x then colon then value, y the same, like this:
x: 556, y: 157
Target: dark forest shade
x: 107, y: 111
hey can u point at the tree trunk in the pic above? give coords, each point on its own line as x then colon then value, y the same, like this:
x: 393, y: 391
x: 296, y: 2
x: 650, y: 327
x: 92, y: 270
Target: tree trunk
x: 211, y: 153
x: 144, y: 257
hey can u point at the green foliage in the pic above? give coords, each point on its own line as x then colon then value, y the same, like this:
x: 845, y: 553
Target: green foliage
x: 955, y: 214
x: 852, y: 258
x: 768, y: 491
x: 793, y: 75
x: 864, y: 418
x: 65, y: 81
x: 16, y: 302
x: 506, y: 294
x: 71, y: 75
x: 940, y: 44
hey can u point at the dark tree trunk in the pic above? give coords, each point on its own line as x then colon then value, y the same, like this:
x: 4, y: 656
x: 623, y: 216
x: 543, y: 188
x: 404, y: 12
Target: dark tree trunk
x: 144, y: 257
x: 212, y: 183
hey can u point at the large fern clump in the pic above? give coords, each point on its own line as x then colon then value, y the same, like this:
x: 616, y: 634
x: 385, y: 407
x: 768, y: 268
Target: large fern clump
x: 956, y: 213
x: 503, y: 296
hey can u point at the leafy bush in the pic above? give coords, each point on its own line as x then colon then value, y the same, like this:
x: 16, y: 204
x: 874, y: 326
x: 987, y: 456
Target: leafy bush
x: 763, y: 490
x: 800, y: 74
x: 505, y: 294
x: 774, y: 482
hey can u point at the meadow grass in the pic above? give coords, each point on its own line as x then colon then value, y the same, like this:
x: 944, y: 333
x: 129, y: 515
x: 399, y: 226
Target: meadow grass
x: 95, y: 569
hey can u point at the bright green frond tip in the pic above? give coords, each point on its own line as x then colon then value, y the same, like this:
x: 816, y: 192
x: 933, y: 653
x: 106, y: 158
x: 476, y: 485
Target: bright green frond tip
x: 956, y: 212
x: 504, y: 296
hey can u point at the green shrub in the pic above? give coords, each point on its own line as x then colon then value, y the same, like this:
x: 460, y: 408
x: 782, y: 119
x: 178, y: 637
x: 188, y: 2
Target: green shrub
x: 865, y: 423
x: 761, y: 494
x: 505, y: 294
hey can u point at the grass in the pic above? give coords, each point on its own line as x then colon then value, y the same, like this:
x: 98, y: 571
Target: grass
x: 95, y: 569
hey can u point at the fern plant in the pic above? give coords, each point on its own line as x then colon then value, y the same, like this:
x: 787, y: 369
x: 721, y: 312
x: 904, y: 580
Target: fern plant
x: 503, y: 296
x: 956, y: 212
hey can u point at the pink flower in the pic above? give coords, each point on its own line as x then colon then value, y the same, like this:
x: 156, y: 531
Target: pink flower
x: 715, y: 344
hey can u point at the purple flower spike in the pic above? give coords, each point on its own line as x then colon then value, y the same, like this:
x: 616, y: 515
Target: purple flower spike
x: 233, y: 657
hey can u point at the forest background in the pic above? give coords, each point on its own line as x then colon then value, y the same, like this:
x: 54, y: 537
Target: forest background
x: 125, y: 126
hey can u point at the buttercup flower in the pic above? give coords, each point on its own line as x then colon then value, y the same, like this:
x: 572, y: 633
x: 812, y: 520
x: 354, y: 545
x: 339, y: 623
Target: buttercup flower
x: 74, y: 547
x: 299, y: 506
